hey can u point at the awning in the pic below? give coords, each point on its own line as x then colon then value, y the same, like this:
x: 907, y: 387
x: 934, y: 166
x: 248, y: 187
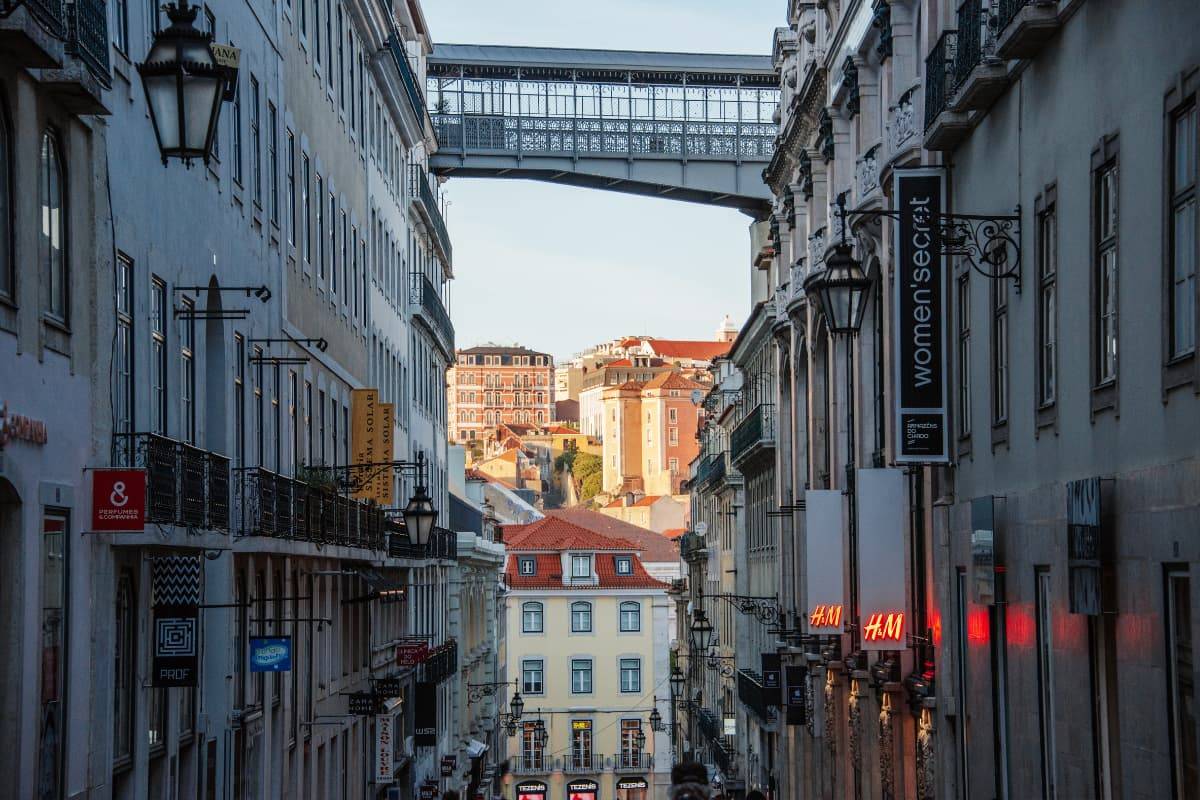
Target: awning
x: 475, y: 748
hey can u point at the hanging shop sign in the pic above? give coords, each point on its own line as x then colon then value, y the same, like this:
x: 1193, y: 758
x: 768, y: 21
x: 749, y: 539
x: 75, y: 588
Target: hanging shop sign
x: 270, y: 653
x: 411, y: 652
x: 119, y: 500
x: 385, y: 485
x: 427, y: 792
x: 797, y: 707
x: 366, y: 441
x: 387, y: 688
x: 531, y: 790
x: 632, y: 783
x: 20, y: 428
x: 175, y: 582
x: 1085, y: 543
x: 881, y: 502
x: 363, y: 704
x: 729, y: 726
x: 983, y: 550
x: 772, y: 680
x: 385, y: 749
x: 425, y: 719
x: 823, y: 510
x: 920, y: 319
x: 582, y: 790
x: 448, y: 764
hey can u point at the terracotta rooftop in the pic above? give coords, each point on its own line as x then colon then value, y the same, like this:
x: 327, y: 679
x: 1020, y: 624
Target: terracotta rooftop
x: 553, y: 533
x: 674, y: 533
x: 642, y: 502
x: 654, y: 547
x: 673, y: 380
x: 548, y: 574
x: 682, y: 348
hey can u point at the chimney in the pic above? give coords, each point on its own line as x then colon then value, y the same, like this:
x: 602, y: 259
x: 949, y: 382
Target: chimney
x: 629, y: 499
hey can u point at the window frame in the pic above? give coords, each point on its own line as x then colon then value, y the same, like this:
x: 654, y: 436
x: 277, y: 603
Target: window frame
x: 51, y: 142
x: 584, y: 609
x: 159, y: 360
x: 1172, y: 575
x: 1180, y: 368
x: 632, y: 665
x: 1000, y: 361
x: 1046, y: 244
x: 541, y: 672
x: 124, y: 363
x: 626, y: 561
x: 1105, y: 159
x: 8, y: 267
x: 621, y: 612
x: 962, y: 290
x: 533, y: 607
x: 576, y: 559
x: 575, y: 664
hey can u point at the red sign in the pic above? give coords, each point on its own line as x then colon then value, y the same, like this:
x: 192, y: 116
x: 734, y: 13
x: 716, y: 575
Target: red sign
x: 826, y: 616
x: 881, y: 627
x: 411, y: 653
x: 119, y: 500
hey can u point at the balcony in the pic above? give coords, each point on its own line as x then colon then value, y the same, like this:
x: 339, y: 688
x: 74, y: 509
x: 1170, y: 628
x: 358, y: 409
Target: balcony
x: 32, y: 32
x: 411, y: 89
x: 711, y: 470
x: 753, y: 696
x: 424, y: 300
x: 577, y: 763
x: 533, y: 763
x: 754, y: 435
x: 441, y: 663
x: 944, y: 127
x: 80, y: 82
x: 280, y: 507
x: 691, y: 547
x: 866, y: 174
x: 979, y: 77
x: 443, y: 544
x: 1024, y: 26
x: 184, y: 484
x: 633, y: 761
x: 426, y: 203
x: 902, y: 125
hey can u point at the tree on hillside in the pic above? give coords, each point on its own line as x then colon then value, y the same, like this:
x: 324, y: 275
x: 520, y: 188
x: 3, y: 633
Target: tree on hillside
x: 585, y: 465
x: 590, y: 486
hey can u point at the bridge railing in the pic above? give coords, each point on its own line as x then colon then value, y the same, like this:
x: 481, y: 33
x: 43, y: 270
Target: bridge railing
x: 595, y: 136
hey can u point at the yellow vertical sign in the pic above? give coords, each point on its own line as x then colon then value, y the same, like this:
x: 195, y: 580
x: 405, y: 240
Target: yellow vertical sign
x: 385, y: 490
x: 364, y: 437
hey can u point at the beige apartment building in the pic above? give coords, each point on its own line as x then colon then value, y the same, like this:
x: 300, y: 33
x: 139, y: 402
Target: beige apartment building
x: 649, y: 434
x: 588, y: 630
x: 492, y: 385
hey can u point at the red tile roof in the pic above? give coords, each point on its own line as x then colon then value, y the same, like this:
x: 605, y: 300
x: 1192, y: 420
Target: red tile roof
x: 642, y: 502
x: 548, y: 575
x: 654, y: 547
x: 681, y: 348
x: 674, y: 533
x: 559, y: 535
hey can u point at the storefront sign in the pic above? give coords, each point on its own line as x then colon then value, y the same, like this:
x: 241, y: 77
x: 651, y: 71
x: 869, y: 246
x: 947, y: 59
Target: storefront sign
x: 425, y: 719
x: 385, y: 749
x: 363, y: 704
x: 881, y: 501
x: 983, y: 550
x: 582, y: 790
x: 427, y: 792
x: 387, y: 688
x: 531, y: 790
x: 1084, y: 568
x: 411, y: 652
x: 823, y: 511
x: 271, y: 654
x: 632, y: 783
x: 729, y: 726
x: 175, y: 582
x: 797, y: 707
x: 771, y: 679
x: 385, y: 487
x: 448, y: 764
x: 919, y: 314
x: 20, y: 428
x: 119, y: 500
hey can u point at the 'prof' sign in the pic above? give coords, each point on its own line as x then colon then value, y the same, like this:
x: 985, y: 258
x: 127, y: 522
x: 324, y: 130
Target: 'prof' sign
x: 118, y: 500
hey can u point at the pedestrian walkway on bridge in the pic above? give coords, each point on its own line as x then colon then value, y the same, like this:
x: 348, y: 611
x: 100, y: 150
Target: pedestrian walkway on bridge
x: 677, y: 125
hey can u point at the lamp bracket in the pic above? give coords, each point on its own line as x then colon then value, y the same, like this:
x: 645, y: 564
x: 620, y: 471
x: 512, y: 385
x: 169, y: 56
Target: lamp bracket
x: 764, y: 609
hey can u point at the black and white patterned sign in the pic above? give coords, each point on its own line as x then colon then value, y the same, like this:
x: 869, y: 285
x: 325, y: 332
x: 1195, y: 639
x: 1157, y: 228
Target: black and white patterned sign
x: 176, y: 583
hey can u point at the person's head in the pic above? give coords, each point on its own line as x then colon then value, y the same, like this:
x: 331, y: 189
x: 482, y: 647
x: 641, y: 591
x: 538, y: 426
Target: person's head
x: 689, y: 781
x: 449, y: 794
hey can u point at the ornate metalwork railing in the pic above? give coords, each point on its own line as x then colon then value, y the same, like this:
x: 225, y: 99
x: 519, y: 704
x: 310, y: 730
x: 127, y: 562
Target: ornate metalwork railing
x: 753, y: 695
x: 441, y: 663
x: 939, y: 75
x: 972, y: 22
x: 423, y: 191
x: 443, y: 543
x: 50, y: 14
x: 633, y: 761
x: 1006, y: 11
x: 576, y: 762
x: 425, y: 296
x: 711, y: 469
x: 400, y: 57
x: 192, y: 462
x: 184, y: 484
x: 87, y: 38
x: 758, y: 428
x: 281, y: 507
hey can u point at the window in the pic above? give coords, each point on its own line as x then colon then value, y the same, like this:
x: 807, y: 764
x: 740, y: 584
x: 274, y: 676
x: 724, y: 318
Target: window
x: 260, y: 419
x: 581, y: 676
x: 631, y: 675
x: 124, y: 670
x: 52, y: 241
x: 123, y: 364
x: 53, y: 657
x: 276, y: 419
x: 673, y: 415
x: 341, y: 51
x: 581, y: 567
x: 673, y: 436
x: 255, y: 141
x: 291, y: 185
x: 1184, y: 767
x: 319, y: 202
x: 527, y: 566
x: 239, y: 397
x: 673, y: 464
x: 187, y: 371
x: 316, y: 39
x: 237, y: 131
x: 581, y: 617
x: 120, y: 33
x: 581, y: 744
x: 532, y: 675
x: 1183, y: 254
x: 1105, y: 300
x: 153, y: 14
x: 964, y: 356
x: 531, y: 617
x: 158, y: 356
x: 273, y: 163
x: 631, y: 616
x: 308, y: 421
x: 8, y: 289
x: 1045, y: 646
x: 332, y: 240
x: 306, y: 203
x: 531, y: 754
x: 329, y: 40
x: 293, y: 414
x: 999, y: 352
x: 1047, y: 320
x: 631, y: 754
x: 624, y: 565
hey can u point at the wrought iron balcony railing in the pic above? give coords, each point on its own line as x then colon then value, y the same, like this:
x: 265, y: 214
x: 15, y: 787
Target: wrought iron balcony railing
x: 633, y: 761
x: 286, y: 508
x: 939, y: 76
x: 441, y: 663
x: 443, y: 544
x: 755, y: 431
x: 427, y: 204
x: 87, y: 37
x: 400, y: 57
x: 580, y: 762
x: 1007, y: 10
x: 711, y: 470
x: 752, y: 694
x: 533, y: 763
x: 424, y: 297
x: 972, y: 28
x: 184, y: 484
x: 50, y: 14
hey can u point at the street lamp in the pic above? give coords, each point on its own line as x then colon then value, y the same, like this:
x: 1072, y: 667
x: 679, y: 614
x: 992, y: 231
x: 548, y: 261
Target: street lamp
x: 184, y: 86
x: 516, y: 706
x: 419, y: 514
x: 677, y: 680
x: 702, y: 632
x: 842, y: 288
x: 639, y: 739
x: 656, y: 723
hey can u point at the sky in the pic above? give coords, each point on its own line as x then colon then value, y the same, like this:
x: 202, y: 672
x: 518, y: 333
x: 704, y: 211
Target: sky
x: 558, y: 268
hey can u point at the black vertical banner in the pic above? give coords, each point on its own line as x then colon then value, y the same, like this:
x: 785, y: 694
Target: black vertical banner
x: 797, y: 701
x: 425, y: 708
x: 772, y: 688
x: 176, y: 634
x: 920, y: 318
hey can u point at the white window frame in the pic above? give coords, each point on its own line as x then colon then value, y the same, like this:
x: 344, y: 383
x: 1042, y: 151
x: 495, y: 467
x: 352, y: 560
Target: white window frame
x: 633, y: 609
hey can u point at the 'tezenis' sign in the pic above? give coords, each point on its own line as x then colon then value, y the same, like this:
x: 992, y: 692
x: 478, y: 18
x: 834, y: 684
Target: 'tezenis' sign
x: 922, y: 419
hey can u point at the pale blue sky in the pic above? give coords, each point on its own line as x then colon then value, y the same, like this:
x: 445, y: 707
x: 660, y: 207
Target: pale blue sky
x: 558, y: 268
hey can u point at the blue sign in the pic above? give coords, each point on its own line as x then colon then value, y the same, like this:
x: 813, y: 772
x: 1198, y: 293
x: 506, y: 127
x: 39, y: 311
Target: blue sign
x: 270, y: 654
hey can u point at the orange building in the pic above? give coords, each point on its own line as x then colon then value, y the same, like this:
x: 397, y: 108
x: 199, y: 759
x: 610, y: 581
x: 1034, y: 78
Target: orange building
x: 649, y: 434
x: 492, y: 385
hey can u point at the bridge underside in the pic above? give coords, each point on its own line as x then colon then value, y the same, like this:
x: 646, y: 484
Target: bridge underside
x: 715, y: 183
x: 682, y: 126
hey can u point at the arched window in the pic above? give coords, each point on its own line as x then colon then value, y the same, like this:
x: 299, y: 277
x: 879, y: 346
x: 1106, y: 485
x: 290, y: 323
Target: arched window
x: 631, y: 616
x: 8, y: 287
x: 531, y: 617
x: 581, y: 617
x: 52, y: 255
